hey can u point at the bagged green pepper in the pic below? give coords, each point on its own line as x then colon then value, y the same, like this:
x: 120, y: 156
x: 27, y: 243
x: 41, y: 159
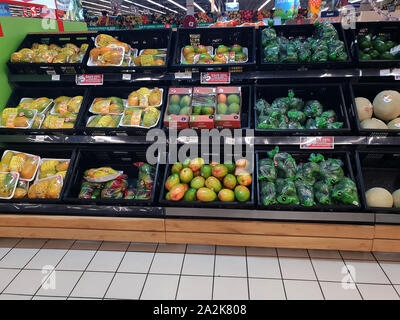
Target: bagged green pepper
x: 335, y: 125
x: 268, y: 34
x: 295, y: 125
x: 268, y: 193
x: 313, y: 108
x: 319, y: 56
x: 262, y: 106
x: 308, y: 172
x: 323, y: 192
x: 331, y: 170
x: 316, y: 157
x: 329, y: 116
x: 296, y: 116
x: 305, y: 193
x: 285, y: 165
x: 345, y: 191
x: 281, y: 104
x: 286, y: 191
x: 325, y: 31
x: 266, y: 170
x: 267, y: 122
x: 311, y: 124
x: 271, y: 53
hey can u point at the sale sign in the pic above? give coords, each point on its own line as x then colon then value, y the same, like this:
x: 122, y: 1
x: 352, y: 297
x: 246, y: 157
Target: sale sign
x: 215, y: 77
x: 89, y: 80
x: 317, y: 143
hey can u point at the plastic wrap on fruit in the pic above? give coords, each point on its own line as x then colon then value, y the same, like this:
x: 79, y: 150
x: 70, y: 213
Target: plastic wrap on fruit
x: 335, y: 125
x: 129, y: 194
x: 308, y: 172
x: 112, y: 194
x: 266, y: 170
x: 295, y: 125
x: 282, y: 42
x: 146, y: 182
x: 316, y: 157
x: 313, y: 108
x: 271, y: 154
x: 305, y: 193
x: 262, y: 106
x: 281, y: 104
x: 284, y: 123
x: 268, y: 34
x: 310, y: 124
x: 295, y: 103
x: 304, y: 55
x: 286, y: 191
x: 296, y: 116
x: 336, y: 48
x: 145, y: 168
x: 288, y: 56
x: 87, y: 190
x: 345, y: 191
x: 268, y: 193
x: 7, y: 184
x: 331, y: 170
x: 268, y: 122
x: 323, y: 192
x: 319, y: 56
x: 329, y: 116
x: 285, y: 165
x: 271, y: 52
x: 143, y: 195
x: 325, y: 31
x: 120, y: 183
x: 21, y: 190
x: 321, y: 122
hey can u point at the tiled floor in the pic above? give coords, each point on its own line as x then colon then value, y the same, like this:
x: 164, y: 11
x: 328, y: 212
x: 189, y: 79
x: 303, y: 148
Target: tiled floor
x: 65, y: 269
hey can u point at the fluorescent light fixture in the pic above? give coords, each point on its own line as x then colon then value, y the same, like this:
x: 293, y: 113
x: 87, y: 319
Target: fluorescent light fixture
x: 140, y: 5
x: 198, y: 7
x: 161, y: 6
x: 97, y: 4
x: 264, y: 4
x: 177, y: 4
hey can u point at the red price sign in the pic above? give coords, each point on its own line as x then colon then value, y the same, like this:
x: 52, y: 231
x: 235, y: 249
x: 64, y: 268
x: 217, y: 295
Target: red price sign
x: 317, y: 142
x: 215, y: 77
x: 89, y: 79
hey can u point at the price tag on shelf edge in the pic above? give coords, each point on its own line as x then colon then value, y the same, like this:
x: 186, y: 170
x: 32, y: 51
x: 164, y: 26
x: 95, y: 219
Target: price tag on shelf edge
x: 127, y: 77
x: 317, y: 143
x: 55, y: 77
x: 396, y: 73
x: 89, y: 79
x: 183, y: 75
x: 215, y: 78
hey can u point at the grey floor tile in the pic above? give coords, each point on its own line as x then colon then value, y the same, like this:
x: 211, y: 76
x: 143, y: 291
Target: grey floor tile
x: 31, y: 243
x: 357, y: 255
x: 86, y: 245
x: 61, y: 244
x: 387, y: 256
x: 171, y: 248
x: 231, y: 250
x: 114, y: 246
x: 142, y: 247
x: 200, y: 249
x: 14, y: 297
x: 48, y: 298
x: 8, y: 242
x: 261, y: 252
x: 324, y: 254
x: 292, y: 253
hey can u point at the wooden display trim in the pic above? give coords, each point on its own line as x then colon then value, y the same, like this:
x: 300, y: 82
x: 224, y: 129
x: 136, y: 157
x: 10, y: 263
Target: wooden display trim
x: 205, y: 231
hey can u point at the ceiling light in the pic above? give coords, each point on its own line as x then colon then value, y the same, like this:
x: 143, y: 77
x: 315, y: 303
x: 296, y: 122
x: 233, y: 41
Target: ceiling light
x: 198, y: 7
x: 97, y: 4
x: 264, y: 4
x: 140, y: 5
x: 161, y: 6
x: 177, y: 4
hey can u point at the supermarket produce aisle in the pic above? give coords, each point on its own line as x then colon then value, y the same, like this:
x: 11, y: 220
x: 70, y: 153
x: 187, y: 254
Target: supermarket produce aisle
x: 69, y: 269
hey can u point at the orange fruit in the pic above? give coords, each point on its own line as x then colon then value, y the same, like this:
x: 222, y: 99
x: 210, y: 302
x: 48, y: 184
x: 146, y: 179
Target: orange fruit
x: 221, y: 98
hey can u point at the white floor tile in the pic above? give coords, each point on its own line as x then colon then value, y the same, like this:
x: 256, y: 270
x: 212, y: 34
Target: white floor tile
x: 76, y: 260
x: 230, y: 250
x: 167, y: 263
x: 297, y: 269
x: 6, y: 276
x: 378, y: 292
x: 335, y: 291
x: 136, y: 262
x: 64, y: 283
x: 142, y: 247
x: 266, y: 289
x: 31, y: 243
x: 114, y: 246
x: 357, y: 255
x: 26, y: 282
x: 230, y: 289
x: 106, y: 261
x: 292, y: 253
x: 198, y: 264
x: 392, y: 270
x: 261, y: 252
x: 303, y: 290
x: 230, y: 266
x: 126, y: 286
x: 92, y: 285
x: 329, y: 269
x: 46, y: 257
x: 324, y: 254
x: 81, y: 298
x: 397, y: 289
x: 48, y: 298
x: 3, y: 252
x: 387, y: 256
x: 367, y: 272
x: 263, y: 267
x: 198, y: 248
x: 195, y: 288
x: 14, y: 297
x: 171, y: 248
x: 8, y: 242
x: 160, y: 287
x: 17, y: 258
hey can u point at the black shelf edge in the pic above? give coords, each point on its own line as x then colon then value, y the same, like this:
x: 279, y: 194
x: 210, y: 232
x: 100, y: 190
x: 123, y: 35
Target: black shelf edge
x: 387, y: 218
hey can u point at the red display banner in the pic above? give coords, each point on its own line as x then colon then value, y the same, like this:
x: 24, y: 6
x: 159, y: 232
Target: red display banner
x: 215, y: 77
x: 317, y: 142
x: 1, y: 31
x: 89, y: 79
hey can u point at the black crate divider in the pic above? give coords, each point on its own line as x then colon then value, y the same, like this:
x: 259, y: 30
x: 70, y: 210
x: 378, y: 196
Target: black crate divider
x: 303, y: 155
x: 329, y: 94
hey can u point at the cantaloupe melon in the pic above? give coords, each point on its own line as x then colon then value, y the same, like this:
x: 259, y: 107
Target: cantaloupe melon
x: 396, y: 198
x: 379, y: 197
x: 387, y: 105
x: 373, y: 124
x: 394, y: 124
x: 364, y: 108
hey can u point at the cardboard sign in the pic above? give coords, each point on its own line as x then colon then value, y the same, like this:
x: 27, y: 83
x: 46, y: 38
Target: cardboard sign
x: 317, y: 143
x: 215, y: 77
x: 89, y: 80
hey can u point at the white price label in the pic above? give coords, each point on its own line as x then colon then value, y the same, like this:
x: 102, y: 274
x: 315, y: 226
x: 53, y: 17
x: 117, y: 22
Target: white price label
x: 183, y: 75
x: 55, y: 77
x: 229, y: 140
x: 127, y: 77
x: 395, y: 50
x: 385, y: 72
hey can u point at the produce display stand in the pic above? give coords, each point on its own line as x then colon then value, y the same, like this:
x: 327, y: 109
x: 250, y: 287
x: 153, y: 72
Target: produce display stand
x: 361, y: 229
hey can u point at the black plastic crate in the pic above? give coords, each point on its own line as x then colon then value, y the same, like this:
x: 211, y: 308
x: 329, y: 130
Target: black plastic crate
x: 122, y: 159
x: 245, y: 36
x: 330, y: 95
x: 377, y: 28
x: 45, y: 151
x: 369, y: 90
x: 123, y: 93
x: 51, y: 93
x: 137, y: 39
x: 303, y: 30
x: 210, y: 153
x: 379, y: 168
x: 60, y: 39
x: 302, y: 156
